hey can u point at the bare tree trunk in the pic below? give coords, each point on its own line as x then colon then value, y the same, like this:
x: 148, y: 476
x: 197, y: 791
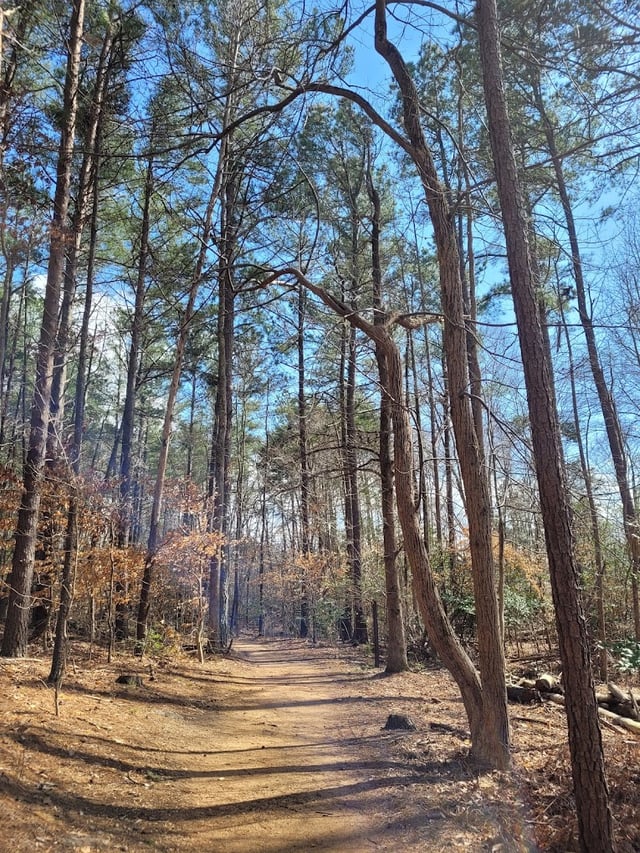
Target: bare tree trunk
x: 354, y: 626
x: 221, y: 451
x: 433, y: 421
x: 585, y: 742
x: 304, y: 459
x: 86, y: 185
x: 192, y: 416
x: 449, y: 552
x: 499, y: 502
x: 128, y: 414
x: 263, y: 519
x: 354, y: 534
x: 396, y: 637
x: 240, y: 519
x: 4, y: 327
x: 20, y: 329
x: 593, y: 510
x: 417, y: 408
x: 174, y: 385
x: 16, y: 629
x: 605, y: 397
x: 433, y: 429
x: 492, y: 741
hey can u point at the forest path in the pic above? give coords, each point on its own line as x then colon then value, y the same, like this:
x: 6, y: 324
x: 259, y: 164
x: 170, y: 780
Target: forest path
x: 304, y: 770
x: 277, y: 748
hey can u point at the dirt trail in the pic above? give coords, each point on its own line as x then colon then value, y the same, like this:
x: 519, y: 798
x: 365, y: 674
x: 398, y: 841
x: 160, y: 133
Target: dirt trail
x: 278, y: 748
x: 297, y: 757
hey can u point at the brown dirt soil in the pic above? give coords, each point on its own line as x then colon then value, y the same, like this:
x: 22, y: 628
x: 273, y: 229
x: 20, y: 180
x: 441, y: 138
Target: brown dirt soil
x: 278, y: 747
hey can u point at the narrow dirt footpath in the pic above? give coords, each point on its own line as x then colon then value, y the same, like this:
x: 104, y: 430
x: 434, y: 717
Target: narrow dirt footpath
x: 276, y: 749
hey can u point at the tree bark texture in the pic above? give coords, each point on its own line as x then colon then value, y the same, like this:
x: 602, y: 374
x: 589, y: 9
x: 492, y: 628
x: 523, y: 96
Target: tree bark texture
x: 493, y: 739
x: 605, y: 397
x: 592, y: 805
x: 128, y: 413
x: 441, y: 634
x: 15, y: 638
x: 396, y: 635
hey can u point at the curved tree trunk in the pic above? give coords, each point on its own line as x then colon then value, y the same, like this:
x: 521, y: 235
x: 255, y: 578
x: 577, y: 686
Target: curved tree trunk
x: 493, y: 740
x: 487, y: 735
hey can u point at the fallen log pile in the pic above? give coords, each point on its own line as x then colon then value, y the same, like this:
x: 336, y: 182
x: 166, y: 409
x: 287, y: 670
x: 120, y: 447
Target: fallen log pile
x: 614, y: 705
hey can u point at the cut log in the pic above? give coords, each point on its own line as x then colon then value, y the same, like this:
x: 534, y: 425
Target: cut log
x: 617, y: 693
x: 523, y: 695
x: 604, y: 697
x: 610, y: 716
x: 548, y: 683
x: 613, y: 699
x: 625, y: 722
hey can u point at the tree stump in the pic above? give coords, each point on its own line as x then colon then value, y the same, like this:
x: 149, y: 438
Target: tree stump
x: 129, y: 679
x: 400, y: 722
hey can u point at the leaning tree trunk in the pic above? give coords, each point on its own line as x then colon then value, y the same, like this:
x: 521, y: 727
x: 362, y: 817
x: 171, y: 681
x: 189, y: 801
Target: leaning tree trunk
x: 587, y: 759
x: 492, y: 737
x: 480, y: 713
x: 15, y: 638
